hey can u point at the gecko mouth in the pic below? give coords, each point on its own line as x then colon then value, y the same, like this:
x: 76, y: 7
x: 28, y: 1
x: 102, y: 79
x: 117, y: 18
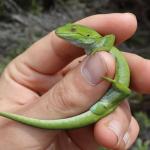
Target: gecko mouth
x: 64, y: 34
x: 74, y: 37
x: 67, y: 34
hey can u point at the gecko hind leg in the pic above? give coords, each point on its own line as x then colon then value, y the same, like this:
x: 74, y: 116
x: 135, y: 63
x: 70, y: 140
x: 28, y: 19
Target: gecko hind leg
x: 119, y: 86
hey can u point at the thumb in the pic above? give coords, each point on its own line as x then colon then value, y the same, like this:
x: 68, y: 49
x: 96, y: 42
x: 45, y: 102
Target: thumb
x: 74, y: 94
x: 78, y: 90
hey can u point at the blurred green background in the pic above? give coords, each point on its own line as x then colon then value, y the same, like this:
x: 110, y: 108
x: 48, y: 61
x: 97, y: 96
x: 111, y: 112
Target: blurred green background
x: 22, y: 22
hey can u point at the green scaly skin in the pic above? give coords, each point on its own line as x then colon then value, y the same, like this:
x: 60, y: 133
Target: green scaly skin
x: 92, y: 42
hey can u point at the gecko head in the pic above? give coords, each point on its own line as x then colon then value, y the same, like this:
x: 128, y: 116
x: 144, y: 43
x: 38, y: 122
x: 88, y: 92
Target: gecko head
x: 78, y: 34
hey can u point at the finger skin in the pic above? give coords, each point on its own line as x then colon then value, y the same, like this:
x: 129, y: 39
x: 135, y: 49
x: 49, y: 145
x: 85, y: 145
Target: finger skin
x: 129, y: 137
x: 140, y: 71
x: 74, y: 94
x: 133, y: 131
x: 110, y: 130
x: 84, y: 138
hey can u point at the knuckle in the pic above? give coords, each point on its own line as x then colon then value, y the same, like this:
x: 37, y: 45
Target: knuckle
x: 64, y: 99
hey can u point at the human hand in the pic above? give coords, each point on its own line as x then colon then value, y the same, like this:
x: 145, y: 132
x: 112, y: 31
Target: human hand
x: 44, y: 83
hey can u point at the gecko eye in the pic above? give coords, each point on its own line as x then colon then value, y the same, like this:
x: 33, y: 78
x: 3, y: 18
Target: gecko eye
x: 73, y: 29
x: 88, y: 35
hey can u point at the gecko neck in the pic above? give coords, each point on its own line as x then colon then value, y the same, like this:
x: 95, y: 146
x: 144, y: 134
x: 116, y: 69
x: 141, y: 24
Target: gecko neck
x: 91, y: 47
x: 97, y: 46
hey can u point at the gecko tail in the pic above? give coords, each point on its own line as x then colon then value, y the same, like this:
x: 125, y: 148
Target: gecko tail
x: 78, y: 121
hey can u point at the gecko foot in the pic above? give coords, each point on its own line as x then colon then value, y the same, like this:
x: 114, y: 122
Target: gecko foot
x: 119, y: 86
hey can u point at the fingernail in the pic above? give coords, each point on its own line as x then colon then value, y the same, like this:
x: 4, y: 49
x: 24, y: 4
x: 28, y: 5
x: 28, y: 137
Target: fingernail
x: 116, y: 128
x: 94, y: 68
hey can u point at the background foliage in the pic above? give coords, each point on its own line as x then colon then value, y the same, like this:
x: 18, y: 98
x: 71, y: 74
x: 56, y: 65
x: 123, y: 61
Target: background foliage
x: 24, y: 22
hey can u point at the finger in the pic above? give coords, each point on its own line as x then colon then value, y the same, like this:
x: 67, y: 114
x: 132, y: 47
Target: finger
x: 131, y: 134
x: 84, y: 138
x: 129, y: 137
x: 72, y: 65
x: 52, y: 53
x: 110, y: 131
x: 140, y: 71
x: 80, y: 88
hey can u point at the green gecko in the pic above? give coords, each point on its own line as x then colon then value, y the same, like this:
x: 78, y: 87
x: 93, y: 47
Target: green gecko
x: 92, y: 42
